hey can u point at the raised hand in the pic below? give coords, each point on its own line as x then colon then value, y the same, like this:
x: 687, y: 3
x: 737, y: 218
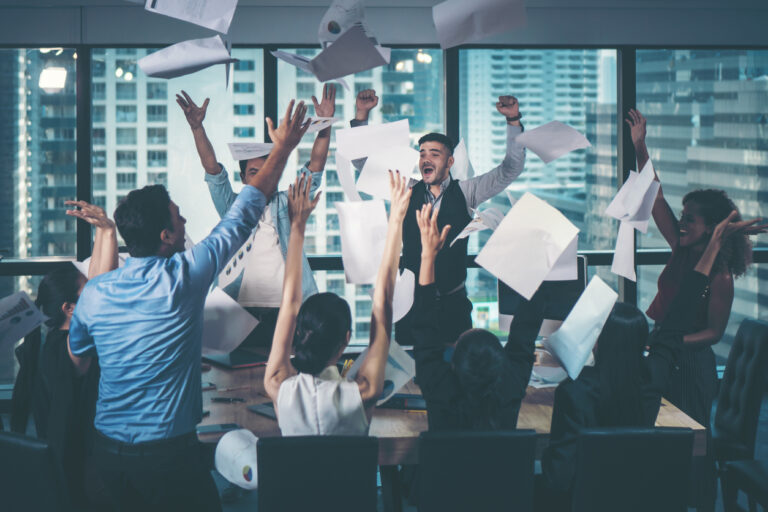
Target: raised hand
x: 327, y: 107
x: 432, y: 239
x: 291, y: 129
x: 92, y: 214
x: 636, y: 123
x: 194, y: 114
x: 400, y: 196
x: 508, y: 107
x: 730, y: 226
x: 300, y: 205
x: 365, y: 102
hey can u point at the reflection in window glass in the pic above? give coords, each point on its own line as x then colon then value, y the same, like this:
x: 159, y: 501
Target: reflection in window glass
x: 37, y: 153
x: 707, y: 128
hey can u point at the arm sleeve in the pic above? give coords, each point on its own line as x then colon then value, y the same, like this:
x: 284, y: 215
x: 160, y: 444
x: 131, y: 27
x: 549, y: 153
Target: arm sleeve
x: 80, y: 340
x: 221, y: 191
x: 316, y: 177
x: 521, y: 343
x: 431, y: 368
x: 481, y: 188
x: 558, y: 462
x: 206, y: 259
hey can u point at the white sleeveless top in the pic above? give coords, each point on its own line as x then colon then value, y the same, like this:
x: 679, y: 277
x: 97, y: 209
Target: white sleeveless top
x: 322, y: 405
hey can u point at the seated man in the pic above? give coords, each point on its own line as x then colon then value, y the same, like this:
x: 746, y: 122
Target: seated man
x: 145, y: 323
x: 255, y: 281
x: 455, y: 199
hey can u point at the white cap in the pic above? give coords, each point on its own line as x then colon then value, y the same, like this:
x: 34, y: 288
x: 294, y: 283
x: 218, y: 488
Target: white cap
x: 235, y: 458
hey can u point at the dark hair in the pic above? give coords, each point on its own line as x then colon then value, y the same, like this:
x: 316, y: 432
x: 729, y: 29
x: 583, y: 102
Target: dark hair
x: 438, y: 137
x: 482, y: 369
x: 321, y: 330
x: 619, y: 361
x: 141, y: 216
x: 56, y: 289
x: 715, y: 205
x: 243, y: 166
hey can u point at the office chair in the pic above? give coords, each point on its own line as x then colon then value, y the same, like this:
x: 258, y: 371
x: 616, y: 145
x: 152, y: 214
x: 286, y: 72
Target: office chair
x: 460, y: 471
x: 632, y: 469
x: 317, y: 473
x: 750, y: 476
x: 31, y: 475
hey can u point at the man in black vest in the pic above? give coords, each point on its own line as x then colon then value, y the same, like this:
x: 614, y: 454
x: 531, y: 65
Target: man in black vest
x: 455, y: 200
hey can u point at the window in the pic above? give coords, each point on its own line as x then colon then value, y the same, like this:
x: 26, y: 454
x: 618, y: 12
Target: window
x: 157, y: 136
x: 332, y: 222
x: 99, y: 136
x: 244, y: 65
x: 332, y: 179
x: 305, y: 91
x: 126, y: 181
x: 125, y: 68
x: 363, y: 308
x: 99, y: 158
x: 125, y: 91
x: 157, y: 91
x: 157, y: 158
x: 244, y: 131
x: 157, y: 113
x: 125, y: 113
x: 244, y: 110
x: 98, y: 113
x: 100, y: 201
x: 244, y: 87
x: 99, y: 90
x: 336, y: 286
x: 126, y: 158
x: 333, y: 244
x: 99, y: 181
x: 98, y: 68
x: 126, y: 136
x: 157, y: 178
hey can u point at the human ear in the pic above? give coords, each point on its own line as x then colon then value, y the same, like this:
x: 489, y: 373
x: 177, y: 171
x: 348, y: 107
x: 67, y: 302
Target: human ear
x: 68, y: 308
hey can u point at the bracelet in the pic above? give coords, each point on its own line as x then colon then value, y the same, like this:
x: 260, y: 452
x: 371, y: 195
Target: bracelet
x: 513, y: 119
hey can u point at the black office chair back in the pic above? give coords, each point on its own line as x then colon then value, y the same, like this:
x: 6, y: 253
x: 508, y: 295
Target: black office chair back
x: 461, y: 471
x: 31, y: 475
x: 335, y: 473
x: 741, y: 392
x: 632, y: 469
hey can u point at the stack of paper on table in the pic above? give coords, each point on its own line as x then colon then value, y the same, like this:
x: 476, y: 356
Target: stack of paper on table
x: 462, y: 21
x: 18, y: 317
x: 572, y: 343
x: 552, y: 140
x: 363, y: 226
x: 527, y: 244
x: 186, y: 57
x: 400, y: 369
x: 632, y: 206
x: 214, y: 14
x: 249, y: 150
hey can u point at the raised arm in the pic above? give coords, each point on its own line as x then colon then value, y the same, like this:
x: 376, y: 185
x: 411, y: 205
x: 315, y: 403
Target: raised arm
x: 279, y: 367
x: 326, y: 108
x: 365, y: 101
x: 195, y: 116
x: 104, y: 255
x: 370, y: 378
x: 479, y: 189
x: 663, y: 215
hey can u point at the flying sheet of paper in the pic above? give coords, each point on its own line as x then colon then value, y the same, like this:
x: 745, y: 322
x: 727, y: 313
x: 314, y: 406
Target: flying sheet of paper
x: 83, y: 266
x: 18, y: 317
x: 363, y: 226
x: 573, y: 342
x: 527, y: 244
x: 462, y: 168
x: 400, y: 369
x: 225, y: 323
x: 213, y: 14
x: 510, y: 197
x: 490, y: 218
x: 459, y: 21
x: 633, y: 203
x: 248, y: 150
x: 402, y: 299
x: 374, y: 178
x: 553, y: 140
x: 186, y: 57
x: 566, y: 268
x: 362, y: 141
x: 346, y: 177
x: 340, y: 17
x: 302, y: 63
x: 321, y: 123
x: 624, y: 254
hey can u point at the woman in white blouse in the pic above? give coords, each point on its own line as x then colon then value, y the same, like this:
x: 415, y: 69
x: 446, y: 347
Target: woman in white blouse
x: 311, y: 397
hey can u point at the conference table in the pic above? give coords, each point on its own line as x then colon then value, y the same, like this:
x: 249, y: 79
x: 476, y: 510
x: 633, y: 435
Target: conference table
x: 398, y: 430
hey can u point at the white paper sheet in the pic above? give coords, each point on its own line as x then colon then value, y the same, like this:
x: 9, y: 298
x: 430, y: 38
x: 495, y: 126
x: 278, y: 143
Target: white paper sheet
x: 461, y: 21
x: 553, y: 140
x: 340, y: 17
x: 547, y: 376
x: 624, y: 254
x: 362, y: 141
x: 303, y: 63
x: 527, y: 244
x: 363, y: 226
x: 18, y: 317
x: 214, y: 14
x: 490, y: 218
x: 346, y: 177
x: 321, y: 123
x: 400, y: 369
x: 225, y: 323
x: 633, y: 203
x: 374, y: 178
x: 573, y: 342
x: 249, y: 150
x: 566, y: 268
x: 462, y: 168
x: 186, y: 57
x: 83, y: 266
x: 402, y: 299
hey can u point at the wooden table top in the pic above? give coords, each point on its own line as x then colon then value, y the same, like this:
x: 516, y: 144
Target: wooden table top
x: 397, y: 430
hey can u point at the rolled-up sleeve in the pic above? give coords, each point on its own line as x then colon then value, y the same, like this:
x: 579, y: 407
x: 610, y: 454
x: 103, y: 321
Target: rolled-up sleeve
x: 221, y: 191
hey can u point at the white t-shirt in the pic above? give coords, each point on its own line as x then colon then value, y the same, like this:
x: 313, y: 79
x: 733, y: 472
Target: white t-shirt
x: 260, y: 261
x: 321, y: 405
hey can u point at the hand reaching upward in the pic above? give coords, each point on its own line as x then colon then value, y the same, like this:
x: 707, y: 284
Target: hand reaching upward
x: 194, y: 114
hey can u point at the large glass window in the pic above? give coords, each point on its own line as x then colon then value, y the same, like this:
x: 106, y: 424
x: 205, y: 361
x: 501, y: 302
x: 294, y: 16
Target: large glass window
x: 9, y: 285
x: 707, y: 128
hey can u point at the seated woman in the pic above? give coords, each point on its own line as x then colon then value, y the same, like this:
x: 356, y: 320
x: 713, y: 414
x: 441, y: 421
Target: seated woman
x: 483, y: 385
x: 309, y: 395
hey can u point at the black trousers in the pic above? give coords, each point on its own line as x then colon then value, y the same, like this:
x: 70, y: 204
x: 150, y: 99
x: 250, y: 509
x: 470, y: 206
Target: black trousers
x: 455, y: 312
x: 156, y: 476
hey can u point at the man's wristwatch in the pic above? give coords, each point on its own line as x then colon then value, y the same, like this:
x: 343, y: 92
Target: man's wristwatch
x: 513, y: 119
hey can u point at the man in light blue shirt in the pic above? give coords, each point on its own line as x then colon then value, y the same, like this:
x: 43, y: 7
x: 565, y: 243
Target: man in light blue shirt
x: 144, y: 322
